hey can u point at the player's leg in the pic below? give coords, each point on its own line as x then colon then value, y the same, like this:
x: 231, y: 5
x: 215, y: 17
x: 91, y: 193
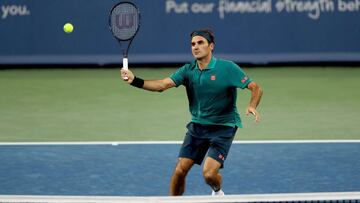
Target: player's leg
x: 211, y: 173
x: 222, y: 137
x: 177, y: 183
x: 193, y: 151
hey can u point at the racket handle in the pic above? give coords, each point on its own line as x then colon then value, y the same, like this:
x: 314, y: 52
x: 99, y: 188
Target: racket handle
x: 125, y: 66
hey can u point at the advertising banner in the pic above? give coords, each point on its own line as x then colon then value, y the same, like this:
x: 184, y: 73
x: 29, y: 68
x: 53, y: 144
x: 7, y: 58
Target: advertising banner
x: 246, y: 31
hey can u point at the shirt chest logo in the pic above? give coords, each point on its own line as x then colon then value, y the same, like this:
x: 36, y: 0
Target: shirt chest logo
x: 213, y: 77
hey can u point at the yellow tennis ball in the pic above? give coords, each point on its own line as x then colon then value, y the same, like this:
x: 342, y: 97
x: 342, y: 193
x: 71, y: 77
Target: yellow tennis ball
x: 68, y: 28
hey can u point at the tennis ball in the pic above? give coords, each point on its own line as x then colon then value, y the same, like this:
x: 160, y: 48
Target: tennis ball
x: 68, y: 28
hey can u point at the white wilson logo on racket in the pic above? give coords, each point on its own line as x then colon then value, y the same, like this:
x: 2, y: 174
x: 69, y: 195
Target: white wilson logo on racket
x: 125, y: 20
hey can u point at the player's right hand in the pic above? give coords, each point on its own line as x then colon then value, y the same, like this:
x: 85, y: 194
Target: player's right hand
x: 127, y: 75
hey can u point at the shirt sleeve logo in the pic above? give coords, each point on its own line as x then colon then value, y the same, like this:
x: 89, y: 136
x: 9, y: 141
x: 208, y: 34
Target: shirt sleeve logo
x: 244, y: 79
x: 213, y: 77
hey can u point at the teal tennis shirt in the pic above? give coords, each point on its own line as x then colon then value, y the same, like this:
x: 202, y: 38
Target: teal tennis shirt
x: 212, y: 92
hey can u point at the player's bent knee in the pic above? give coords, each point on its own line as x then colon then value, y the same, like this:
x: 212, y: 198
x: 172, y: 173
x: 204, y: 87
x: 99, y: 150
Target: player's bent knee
x: 180, y: 172
x: 210, y: 175
x: 183, y: 167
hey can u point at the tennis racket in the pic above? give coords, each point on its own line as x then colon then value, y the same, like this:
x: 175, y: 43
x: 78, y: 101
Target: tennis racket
x: 124, y: 21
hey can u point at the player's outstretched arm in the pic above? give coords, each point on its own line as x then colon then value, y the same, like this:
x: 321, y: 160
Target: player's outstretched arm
x: 158, y: 85
x: 150, y: 85
x: 256, y: 93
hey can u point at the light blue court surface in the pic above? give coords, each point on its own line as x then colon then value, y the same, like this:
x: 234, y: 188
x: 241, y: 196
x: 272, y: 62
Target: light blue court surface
x: 145, y: 169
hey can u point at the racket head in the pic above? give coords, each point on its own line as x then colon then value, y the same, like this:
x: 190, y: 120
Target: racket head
x: 124, y: 21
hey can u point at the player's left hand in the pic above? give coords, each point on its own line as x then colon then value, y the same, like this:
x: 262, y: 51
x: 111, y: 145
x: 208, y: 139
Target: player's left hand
x: 252, y: 110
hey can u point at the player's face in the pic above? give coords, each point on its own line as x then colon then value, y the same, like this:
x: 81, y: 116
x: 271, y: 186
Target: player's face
x: 200, y: 47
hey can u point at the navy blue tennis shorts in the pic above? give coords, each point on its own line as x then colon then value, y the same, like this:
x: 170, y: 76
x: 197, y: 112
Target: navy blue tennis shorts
x: 207, y: 140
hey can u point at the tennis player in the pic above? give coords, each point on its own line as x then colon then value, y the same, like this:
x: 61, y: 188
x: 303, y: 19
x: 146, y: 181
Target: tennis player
x: 211, y: 85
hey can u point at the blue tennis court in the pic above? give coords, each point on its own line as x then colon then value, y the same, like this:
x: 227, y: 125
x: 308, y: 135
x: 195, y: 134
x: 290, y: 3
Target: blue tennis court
x: 144, y: 169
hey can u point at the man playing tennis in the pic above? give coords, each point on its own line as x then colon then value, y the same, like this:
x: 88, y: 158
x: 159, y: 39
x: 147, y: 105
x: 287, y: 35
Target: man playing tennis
x: 211, y: 85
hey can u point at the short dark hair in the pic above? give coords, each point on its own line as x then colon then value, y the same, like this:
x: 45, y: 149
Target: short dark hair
x: 206, y: 33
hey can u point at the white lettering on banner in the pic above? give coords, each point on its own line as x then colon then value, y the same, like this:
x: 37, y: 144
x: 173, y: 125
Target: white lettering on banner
x: 350, y: 6
x: 14, y: 10
x: 202, y: 8
x: 312, y: 8
x: 172, y: 6
x: 254, y: 6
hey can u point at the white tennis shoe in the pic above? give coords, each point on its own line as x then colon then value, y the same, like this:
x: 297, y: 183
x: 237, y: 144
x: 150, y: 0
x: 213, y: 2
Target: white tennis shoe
x: 218, y: 193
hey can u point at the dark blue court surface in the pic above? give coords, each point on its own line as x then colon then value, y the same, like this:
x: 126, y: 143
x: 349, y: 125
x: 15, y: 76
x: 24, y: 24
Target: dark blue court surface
x: 145, y: 169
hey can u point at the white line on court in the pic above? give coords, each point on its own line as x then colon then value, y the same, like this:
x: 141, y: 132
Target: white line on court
x: 178, y: 142
x: 290, y: 197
